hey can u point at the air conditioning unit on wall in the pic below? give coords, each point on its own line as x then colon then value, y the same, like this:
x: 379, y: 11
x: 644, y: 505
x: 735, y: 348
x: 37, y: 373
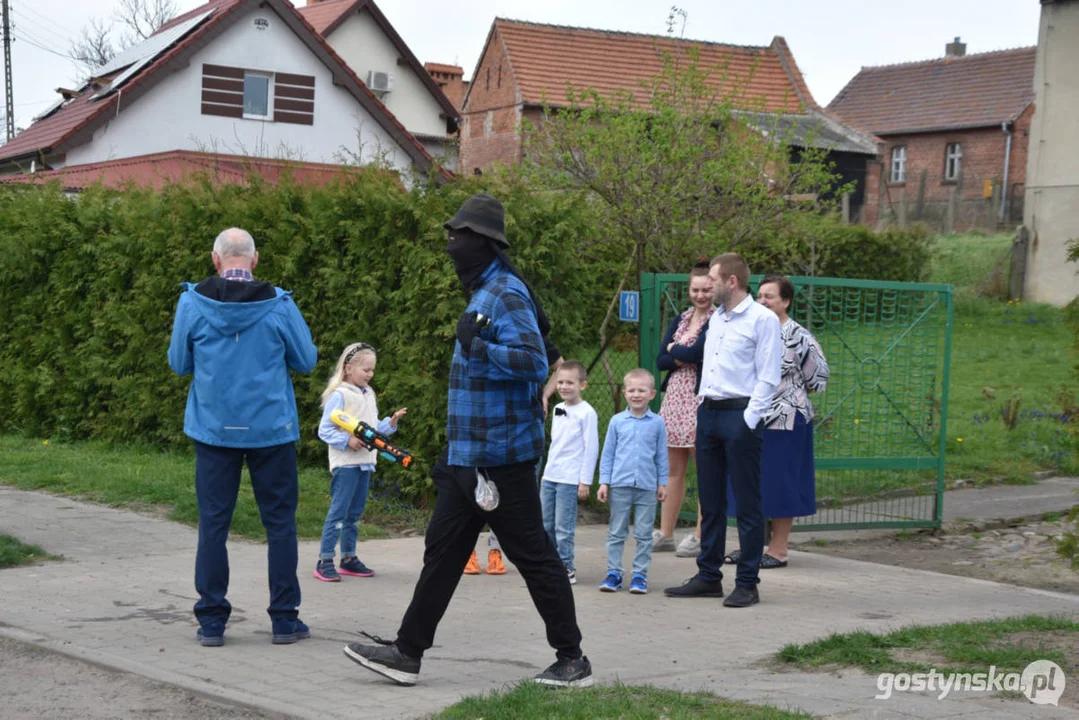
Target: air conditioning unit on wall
x: 380, y: 82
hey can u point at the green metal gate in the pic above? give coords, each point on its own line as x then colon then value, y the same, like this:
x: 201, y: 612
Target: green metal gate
x: 880, y: 426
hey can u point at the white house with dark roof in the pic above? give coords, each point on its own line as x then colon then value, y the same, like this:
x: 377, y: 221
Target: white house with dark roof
x: 231, y: 79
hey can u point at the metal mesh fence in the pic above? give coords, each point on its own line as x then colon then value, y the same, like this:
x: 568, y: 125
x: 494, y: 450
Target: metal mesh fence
x: 879, y: 435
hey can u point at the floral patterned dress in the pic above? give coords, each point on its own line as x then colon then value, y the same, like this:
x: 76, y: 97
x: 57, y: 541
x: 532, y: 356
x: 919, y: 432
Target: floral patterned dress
x: 679, y: 406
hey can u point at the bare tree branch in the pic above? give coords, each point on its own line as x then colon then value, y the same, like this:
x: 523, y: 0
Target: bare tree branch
x: 132, y: 22
x: 94, y: 47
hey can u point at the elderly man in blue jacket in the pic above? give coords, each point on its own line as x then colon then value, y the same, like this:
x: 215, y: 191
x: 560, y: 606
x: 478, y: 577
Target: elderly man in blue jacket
x: 240, y: 337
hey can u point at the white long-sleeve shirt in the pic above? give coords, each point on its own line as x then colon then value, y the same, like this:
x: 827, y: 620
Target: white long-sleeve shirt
x: 574, y: 444
x: 743, y: 357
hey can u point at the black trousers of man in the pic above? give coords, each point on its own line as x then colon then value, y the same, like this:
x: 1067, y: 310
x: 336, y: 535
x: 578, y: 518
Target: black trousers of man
x: 451, y: 537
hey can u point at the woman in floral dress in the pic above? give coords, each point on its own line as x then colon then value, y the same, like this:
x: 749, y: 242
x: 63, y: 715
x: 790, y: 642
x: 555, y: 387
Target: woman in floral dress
x: 679, y: 406
x: 788, y: 477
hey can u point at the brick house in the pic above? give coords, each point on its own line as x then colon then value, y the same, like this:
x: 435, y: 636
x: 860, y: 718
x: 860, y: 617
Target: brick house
x: 955, y: 132
x: 525, y: 65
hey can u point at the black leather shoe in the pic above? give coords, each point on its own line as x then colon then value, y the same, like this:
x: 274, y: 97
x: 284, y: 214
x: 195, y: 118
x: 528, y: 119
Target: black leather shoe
x: 695, y: 587
x: 743, y: 597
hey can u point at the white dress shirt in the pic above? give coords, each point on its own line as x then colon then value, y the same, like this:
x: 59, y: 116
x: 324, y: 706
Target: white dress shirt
x: 574, y: 449
x: 743, y: 357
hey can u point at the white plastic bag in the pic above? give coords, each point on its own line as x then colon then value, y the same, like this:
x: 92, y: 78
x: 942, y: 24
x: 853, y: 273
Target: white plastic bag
x: 486, y: 492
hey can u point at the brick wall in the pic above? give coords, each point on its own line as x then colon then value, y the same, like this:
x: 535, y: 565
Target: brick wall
x: 490, y: 129
x: 982, y: 162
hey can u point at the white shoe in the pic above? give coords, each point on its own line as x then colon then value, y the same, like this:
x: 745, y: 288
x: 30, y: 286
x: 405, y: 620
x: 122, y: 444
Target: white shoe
x: 660, y: 543
x: 689, y: 547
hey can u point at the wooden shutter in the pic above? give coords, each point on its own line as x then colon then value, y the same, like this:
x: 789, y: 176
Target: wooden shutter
x: 294, y: 99
x: 222, y: 91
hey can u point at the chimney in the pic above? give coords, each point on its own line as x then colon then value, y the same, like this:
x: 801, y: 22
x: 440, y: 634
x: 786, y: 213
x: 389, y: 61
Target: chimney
x: 952, y: 49
x: 451, y: 79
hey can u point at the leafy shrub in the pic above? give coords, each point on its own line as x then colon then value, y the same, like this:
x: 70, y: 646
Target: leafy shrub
x: 89, y: 288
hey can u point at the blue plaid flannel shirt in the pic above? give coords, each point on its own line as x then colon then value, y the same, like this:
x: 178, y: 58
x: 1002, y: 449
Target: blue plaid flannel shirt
x: 495, y: 412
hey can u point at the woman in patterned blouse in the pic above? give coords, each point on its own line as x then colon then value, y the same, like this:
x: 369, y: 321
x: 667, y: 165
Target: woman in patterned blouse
x: 788, y: 479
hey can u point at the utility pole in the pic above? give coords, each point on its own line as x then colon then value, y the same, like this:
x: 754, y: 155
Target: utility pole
x: 9, y: 98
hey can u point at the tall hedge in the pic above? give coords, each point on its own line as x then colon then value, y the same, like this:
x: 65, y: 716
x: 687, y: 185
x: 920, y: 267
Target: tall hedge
x: 89, y: 288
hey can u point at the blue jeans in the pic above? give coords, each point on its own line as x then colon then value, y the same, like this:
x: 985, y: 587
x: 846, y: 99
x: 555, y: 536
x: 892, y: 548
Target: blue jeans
x: 348, y: 498
x: 217, y: 483
x: 560, y: 517
x: 643, y: 503
x: 727, y: 448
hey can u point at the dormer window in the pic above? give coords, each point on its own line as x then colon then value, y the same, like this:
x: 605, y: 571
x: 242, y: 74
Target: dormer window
x: 257, y: 96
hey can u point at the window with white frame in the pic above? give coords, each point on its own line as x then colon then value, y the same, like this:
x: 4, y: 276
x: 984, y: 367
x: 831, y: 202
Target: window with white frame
x: 258, y: 99
x: 899, y: 164
x: 953, y: 161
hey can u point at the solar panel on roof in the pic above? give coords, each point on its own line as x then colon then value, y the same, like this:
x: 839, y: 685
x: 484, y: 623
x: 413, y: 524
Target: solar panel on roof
x: 139, y: 56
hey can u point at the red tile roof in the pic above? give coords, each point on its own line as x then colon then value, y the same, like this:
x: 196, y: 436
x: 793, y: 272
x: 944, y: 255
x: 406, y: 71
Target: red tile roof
x: 66, y: 127
x: 326, y: 14
x: 943, y: 94
x: 545, y: 59
x: 178, y: 166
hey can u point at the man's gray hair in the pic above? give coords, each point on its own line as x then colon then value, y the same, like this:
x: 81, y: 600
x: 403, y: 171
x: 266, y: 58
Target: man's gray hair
x: 234, y: 242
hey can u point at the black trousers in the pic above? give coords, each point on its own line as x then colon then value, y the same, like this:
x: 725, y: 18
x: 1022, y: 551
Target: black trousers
x: 451, y: 536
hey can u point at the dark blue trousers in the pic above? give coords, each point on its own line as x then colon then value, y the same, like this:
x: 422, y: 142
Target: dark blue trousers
x: 726, y: 446
x: 276, y: 487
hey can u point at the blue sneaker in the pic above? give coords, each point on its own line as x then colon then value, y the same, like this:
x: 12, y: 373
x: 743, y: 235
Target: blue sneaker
x: 639, y: 585
x: 211, y: 636
x: 611, y: 583
x: 326, y: 572
x: 286, y: 632
x: 355, y: 568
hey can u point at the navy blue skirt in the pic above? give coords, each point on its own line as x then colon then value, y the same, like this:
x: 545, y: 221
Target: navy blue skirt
x: 788, y: 477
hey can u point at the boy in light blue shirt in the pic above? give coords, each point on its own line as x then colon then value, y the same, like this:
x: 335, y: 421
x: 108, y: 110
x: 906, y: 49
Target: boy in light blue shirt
x: 633, y: 476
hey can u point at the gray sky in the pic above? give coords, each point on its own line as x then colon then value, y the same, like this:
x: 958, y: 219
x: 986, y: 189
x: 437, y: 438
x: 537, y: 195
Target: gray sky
x: 830, y: 39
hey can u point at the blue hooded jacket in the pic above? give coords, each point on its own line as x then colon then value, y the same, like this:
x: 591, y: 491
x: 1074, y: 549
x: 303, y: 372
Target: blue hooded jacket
x: 240, y: 348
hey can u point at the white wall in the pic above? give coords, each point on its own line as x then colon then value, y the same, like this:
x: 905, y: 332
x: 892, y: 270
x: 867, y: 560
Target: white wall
x: 1051, y: 208
x: 169, y: 116
x: 364, y: 47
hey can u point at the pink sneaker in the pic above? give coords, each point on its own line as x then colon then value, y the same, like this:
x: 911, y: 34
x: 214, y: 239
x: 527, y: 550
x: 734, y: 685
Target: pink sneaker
x: 326, y: 572
x: 355, y: 568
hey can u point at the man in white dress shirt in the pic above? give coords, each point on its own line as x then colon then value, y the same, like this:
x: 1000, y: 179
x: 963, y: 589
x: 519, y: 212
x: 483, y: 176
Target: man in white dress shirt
x: 740, y: 372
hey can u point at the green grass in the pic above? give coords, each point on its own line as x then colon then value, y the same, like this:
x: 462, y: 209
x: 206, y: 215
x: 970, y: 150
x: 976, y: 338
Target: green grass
x: 960, y: 646
x: 616, y: 702
x: 1003, y: 353
x: 14, y: 553
x: 145, y: 478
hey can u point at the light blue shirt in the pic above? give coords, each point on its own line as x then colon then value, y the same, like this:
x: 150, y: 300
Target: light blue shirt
x: 334, y: 436
x: 635, y: 451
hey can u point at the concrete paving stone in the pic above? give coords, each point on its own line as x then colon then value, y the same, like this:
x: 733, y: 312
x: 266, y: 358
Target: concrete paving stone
x: 491, y: 637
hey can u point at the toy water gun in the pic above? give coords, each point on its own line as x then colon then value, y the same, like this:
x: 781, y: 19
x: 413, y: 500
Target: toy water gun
x: 372, y: 439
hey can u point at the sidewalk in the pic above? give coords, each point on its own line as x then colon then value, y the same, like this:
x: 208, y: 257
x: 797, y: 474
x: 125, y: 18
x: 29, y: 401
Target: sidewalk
x: 123, y: 599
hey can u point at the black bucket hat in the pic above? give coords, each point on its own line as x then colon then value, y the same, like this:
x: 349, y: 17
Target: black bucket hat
x: 482, y: 214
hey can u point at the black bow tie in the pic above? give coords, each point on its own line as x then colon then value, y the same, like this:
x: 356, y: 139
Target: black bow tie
x: 560, y: 411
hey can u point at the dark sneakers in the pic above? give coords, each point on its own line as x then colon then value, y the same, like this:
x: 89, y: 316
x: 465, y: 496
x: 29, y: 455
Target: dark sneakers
x: 742, y: 597
x: 286, y: 632
x: 696, y: 587
x: 211, y: 636
x: 326, y: 572
x: 567, y: 673
x: 387, y: 661
x: 354, y: 567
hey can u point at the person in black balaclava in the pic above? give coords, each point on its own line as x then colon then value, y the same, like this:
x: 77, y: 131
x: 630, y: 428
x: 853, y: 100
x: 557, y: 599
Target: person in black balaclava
x: 494, y: 427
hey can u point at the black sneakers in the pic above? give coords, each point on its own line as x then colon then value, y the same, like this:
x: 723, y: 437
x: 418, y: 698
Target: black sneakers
x: 742, y: 597
x: 387, y: 661
x: 568, y: 673
x: 696, y: 587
